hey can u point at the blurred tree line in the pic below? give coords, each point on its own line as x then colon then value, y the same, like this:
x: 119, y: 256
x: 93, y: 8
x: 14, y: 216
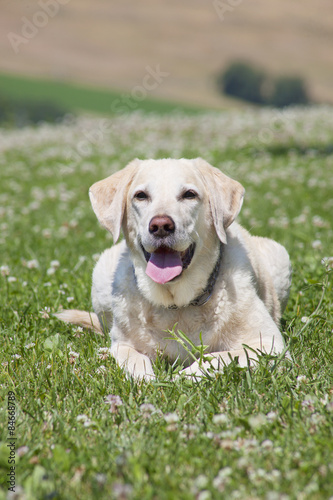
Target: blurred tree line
x: 243, y: 81
x: 19, y: 113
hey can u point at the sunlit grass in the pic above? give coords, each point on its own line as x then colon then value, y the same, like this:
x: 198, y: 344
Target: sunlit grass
x: 86, y: 431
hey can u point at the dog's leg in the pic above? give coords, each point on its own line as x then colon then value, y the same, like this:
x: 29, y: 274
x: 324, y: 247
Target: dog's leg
x: 136, y: 364
x: 259, y: 334
x: 219, y: 360
x: 245, y: 357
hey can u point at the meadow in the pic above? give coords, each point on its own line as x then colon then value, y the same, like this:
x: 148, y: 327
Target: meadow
x: 75, y: 98
x: 77, y: 427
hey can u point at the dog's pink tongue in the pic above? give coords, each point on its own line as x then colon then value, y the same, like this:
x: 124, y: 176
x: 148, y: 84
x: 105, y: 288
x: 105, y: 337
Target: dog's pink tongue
x: 163, y: 266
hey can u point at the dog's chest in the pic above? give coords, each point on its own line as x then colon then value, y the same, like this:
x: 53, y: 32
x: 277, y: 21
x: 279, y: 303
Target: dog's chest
x: 150, y: 328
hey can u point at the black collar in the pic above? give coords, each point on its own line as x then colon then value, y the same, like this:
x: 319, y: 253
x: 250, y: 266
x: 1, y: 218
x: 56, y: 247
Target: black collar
x: 206, y: 294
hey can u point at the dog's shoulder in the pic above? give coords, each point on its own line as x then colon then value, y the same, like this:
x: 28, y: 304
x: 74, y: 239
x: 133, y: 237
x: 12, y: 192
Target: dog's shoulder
x: 269, y: 265
x: 113, y: 272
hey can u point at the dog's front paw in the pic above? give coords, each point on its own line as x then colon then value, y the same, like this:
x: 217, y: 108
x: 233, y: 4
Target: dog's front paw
x: 198, y: 370
x: 139, y: 375
x: 139, y: 369
x: 194, y: 370
x: 135, y: 364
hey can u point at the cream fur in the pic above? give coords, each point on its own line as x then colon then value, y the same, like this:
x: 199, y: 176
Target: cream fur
x: 252, y: 286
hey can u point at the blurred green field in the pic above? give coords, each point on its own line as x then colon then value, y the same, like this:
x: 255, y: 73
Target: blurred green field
x: 85, y: 431
x: 75, y: 98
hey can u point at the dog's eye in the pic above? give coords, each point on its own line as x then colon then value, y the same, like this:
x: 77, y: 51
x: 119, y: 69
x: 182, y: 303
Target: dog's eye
x: 141, y: 195
x: 190, y: 195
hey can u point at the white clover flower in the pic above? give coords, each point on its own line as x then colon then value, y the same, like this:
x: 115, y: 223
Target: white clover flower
x: 328, y: 262
x: 324, y: 401
x: 73, y: 224
x: 223, y: 477
x: 82, y: 418
x: 122, y: 491
x: 171, y: 418
x: 316, y: 245
x: 16, y: 356
x: 103, y: 353
x: 319, y: 222
x: 147, y: 410
x: 201, y: 482
x: 204, y: 495
x: 257, y: 421
x: 78, y: 332
x: 74, y: 354
x: 300, y: 219
x: 22, y: 450
x: 225, y: 472
x: 172, y: 421
x: 4, y: 271
x: 101, y: 479
x: 275, y: 475
x: 220, y: 418
x: 47, y: 233
x: 101, y: 369
x: 30, y: 346
x: 88, y: 423
x: 73, y: 357
x: 301, y: 380
x: 32, y: 264
x: 11, y: 279
x: 267, y: 444
x: 70, y: 299
x: 272, y: 416
x: 308, y: 403
x: 114, y: 401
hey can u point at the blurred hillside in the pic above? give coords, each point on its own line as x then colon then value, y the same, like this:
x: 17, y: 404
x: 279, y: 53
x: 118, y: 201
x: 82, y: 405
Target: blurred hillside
x: 110, y: 43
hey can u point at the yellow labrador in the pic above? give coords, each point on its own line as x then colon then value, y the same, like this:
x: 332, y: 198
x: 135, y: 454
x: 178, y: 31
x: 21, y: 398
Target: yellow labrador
x: 183, y: 261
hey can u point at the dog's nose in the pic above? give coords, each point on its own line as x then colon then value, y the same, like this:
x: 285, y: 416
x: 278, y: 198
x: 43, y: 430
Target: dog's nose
x: 161, y: 226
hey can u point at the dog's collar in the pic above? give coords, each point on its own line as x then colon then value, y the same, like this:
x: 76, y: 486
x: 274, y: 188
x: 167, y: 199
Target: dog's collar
x: 206, y: 294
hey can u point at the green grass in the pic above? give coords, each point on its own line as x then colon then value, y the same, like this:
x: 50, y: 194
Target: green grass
x: 84, y: 430
x: 76, y: 98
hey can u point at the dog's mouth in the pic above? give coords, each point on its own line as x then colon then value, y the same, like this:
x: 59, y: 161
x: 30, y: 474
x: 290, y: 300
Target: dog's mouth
x: 165, y: 264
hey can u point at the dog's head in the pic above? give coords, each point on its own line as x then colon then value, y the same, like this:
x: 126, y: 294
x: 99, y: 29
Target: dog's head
x: 173, y: 214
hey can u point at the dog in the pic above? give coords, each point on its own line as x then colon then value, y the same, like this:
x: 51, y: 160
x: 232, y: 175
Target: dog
x: 183, y: 261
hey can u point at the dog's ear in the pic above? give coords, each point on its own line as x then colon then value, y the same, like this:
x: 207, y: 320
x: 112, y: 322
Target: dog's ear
x: 108, y: 198
x: 225, y: 197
